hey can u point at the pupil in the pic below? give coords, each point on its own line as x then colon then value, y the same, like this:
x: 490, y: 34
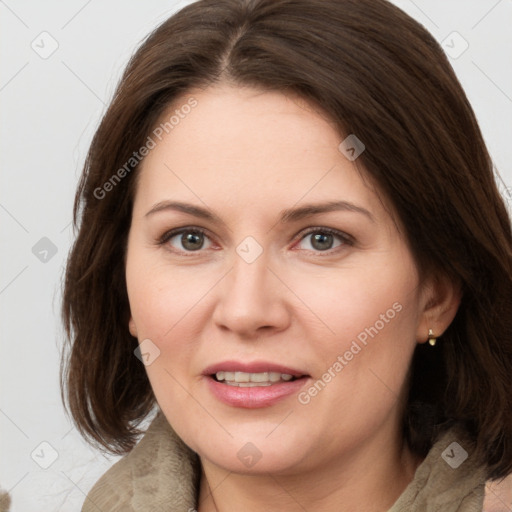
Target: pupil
x: 322, y: 241
x: 192, y: 241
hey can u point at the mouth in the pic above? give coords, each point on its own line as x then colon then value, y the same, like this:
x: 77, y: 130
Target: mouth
x: 253, y: 385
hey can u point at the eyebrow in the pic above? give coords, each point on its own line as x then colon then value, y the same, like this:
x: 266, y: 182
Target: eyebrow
x: 288, y: 215
x: 295, y: 214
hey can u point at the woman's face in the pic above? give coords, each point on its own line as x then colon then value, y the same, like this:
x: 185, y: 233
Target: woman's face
x: 276, y: 303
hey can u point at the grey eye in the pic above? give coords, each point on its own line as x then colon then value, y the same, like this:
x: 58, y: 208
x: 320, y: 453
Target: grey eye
x: 321, y: 240
x: 190, y: 240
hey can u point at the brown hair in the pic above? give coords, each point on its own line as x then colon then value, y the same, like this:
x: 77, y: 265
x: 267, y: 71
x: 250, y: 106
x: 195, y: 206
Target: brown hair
x: 379, y: 75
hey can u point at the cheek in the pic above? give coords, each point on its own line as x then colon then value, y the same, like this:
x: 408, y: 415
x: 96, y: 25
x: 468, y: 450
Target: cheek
x: 166, y: 304
x: 161, y: 298
x: 364, y: 345
x: 357, y: 304
x: 163, y: 305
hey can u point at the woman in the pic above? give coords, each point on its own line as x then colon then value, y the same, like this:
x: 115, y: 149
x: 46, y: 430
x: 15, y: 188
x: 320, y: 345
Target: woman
x: 291, y: 248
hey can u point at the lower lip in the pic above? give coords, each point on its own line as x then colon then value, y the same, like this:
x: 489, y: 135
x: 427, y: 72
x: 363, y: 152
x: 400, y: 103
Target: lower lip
x: 254, y: 397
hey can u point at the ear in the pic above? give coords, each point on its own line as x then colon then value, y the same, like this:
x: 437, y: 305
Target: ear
x: 132, y: 327
x: 440, y: 301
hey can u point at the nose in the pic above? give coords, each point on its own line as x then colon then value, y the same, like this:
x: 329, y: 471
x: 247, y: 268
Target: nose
x: 251, y: 300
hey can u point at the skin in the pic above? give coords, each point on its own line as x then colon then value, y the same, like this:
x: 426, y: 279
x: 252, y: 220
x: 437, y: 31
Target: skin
x: 246, y: 155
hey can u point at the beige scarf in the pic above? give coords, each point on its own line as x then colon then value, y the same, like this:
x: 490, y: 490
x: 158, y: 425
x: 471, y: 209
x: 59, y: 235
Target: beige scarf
x: 161, y: 474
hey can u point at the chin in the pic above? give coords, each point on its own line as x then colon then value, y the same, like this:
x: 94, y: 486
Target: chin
x: 251, y: 452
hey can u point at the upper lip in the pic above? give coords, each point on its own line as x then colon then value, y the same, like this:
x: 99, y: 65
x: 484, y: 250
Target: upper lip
x: 252, y: 367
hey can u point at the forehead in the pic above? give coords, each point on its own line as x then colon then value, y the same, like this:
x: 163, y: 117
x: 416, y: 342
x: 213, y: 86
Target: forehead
x: 252, y: 145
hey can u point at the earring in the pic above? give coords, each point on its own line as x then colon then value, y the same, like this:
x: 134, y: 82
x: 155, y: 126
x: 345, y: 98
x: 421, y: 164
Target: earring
x: 431, y: 338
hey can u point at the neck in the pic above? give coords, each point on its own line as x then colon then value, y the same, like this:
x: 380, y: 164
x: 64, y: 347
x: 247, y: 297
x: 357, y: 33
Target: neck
x: 360, y: 481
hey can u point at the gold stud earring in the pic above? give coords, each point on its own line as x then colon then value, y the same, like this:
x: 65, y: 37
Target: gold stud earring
x: 431, y: 338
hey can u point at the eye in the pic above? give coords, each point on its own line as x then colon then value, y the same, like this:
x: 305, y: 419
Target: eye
x: 193, y: 239
x: 186, y: 239
x: 324, y: 239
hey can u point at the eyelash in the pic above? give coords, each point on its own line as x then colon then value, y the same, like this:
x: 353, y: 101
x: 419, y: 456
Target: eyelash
x: 346, y: 240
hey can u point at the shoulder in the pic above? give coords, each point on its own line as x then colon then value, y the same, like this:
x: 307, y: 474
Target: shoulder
x: 160, y: 470
x: 5, y: 502
x: 449, y: 479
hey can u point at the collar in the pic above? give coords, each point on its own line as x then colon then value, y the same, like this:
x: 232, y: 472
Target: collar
x: 161, y: 474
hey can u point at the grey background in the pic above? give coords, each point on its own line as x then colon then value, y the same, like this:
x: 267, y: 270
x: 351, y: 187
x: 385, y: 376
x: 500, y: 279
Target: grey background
x: 50, y: 108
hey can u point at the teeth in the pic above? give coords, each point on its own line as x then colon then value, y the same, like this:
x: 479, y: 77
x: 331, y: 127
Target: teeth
x: 248, y: 380
x: 274, y: 376
x: 242, y: 377
x: 248, y: 384
x: 257, y: 377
